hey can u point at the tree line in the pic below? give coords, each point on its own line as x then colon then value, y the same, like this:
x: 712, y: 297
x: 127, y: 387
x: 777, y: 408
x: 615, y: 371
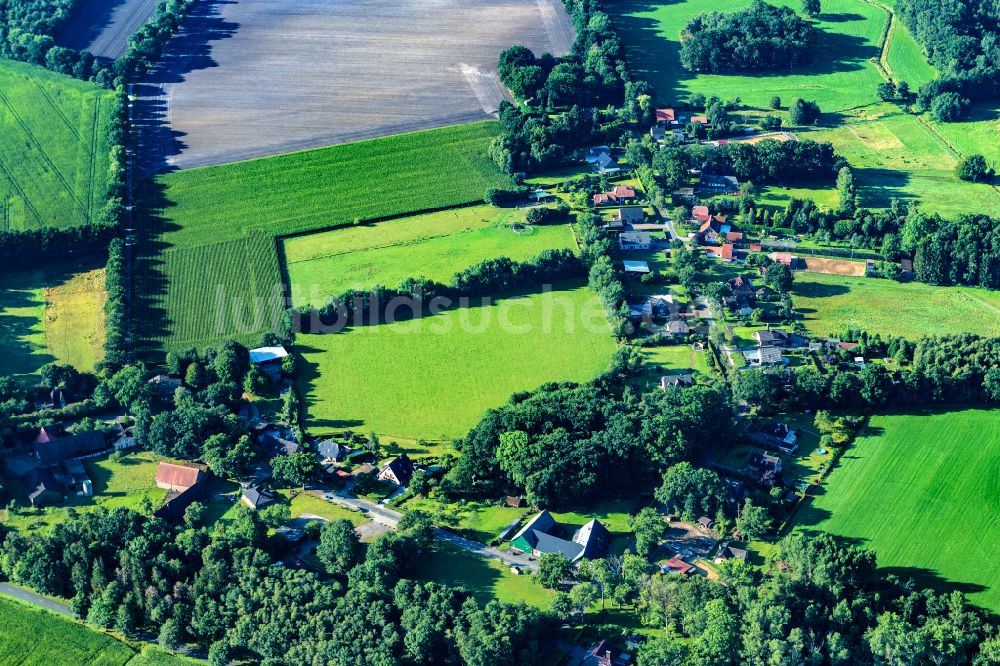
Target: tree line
x: 760, y: 37
x: 962, y: 41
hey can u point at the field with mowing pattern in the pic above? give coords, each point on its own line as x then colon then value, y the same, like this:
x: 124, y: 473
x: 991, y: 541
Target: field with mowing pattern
x: 434, y: 246
x: 53, y: 151
x: 211, y: 270
x: 34, y: 637
x: 840, y: 77
x: 898, y: 156
x: 51, y: 314
x: 921, y: 490
x: 829, y: 304
x: 433, y: 378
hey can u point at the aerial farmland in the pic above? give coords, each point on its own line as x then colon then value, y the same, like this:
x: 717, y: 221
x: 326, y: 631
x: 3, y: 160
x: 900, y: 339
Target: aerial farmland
x: 254, y: 78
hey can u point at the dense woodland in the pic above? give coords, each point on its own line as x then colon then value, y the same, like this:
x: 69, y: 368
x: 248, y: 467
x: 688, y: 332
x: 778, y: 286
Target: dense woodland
x: 962, y: 41
x: 758, y: 38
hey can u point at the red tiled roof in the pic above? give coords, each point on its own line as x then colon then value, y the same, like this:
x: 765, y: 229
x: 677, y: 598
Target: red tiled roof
x: 664, y: 115
x: 604, y: 197
x: 699, y: 210
x: 177, y: 475
x: 734, y: 235
x: 679, y: 565
x: 721, y: 219
x: 623, y: 192
x: 755, y: 248
x: 44, y: 437
x: 700, y: 119
x: 727, y: 251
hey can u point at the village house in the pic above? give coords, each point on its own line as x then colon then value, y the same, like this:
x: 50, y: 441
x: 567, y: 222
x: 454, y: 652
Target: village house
x: 177, y: 478
x: 594, y: 153
x: 699, y: 213
x: 329, y: 451
x: 258, y: 497
x: 724, y: 252
x: 606, y: 164
x: 624, y: 193
x: 701, y: 120
x: 677, y: 328
x: 728, y: 552
x: 268, y: 359
x: 665, y: 116
x: 542, y: 535
x: 398, y: 471
x: 675, y: 381
x: 41, y: 487
x: 164, y: 387
x: 774, y: 337
x: 719, y: 184
x: 676, y: 565
x: 635, y: 240
x: 184, y: 484
x: 604, y: 653
x: 762, y: 356
x: 764, y: 468
x: 629, y: 216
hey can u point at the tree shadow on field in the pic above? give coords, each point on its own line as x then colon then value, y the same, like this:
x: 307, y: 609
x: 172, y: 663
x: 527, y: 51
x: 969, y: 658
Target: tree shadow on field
x: 189, y: 51
x: 655, y: 57
x: 880, y: 186
x: 87, y: 22
x: 819, y: 290
x: 151, y: 223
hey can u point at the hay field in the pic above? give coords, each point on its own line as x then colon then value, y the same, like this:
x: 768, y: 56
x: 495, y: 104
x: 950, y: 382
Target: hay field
x: 920, y: 489
x: 258, y: 77
x: 828, y: 304
x: 433, y: 378
x: 53, y: 152
x: 51, y: 314
x: 434, y: 246
x: 211, y: 270
x: 840, y: 77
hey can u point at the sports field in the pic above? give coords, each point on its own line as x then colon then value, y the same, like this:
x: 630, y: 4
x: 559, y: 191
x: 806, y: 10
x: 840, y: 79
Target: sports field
x: 829, y: 304
x: 212, y: 265
x: 34, y: 637
x: 921, y: 490
x: 51, y: 314
x: 898, y: 155
x: 434, y: 246
x: 433, y: 378
x: 53, y: 151
x: 840, y: 77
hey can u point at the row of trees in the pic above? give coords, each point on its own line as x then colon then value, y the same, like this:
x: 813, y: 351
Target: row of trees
x: 116, y: 323
x: 222, y: 590
x: 962, y: 41
x: 760, y: 37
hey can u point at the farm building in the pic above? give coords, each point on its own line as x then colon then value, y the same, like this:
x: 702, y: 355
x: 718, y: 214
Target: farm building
x: 268, y: 359
x: 398, y: 471
x: 54, y: 451
x: 541, y: 535
x: 177, y: 478
x: 635, y: 240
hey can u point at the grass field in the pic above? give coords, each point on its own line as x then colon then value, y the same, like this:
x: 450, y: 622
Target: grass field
x: 53, y: 152
x: 484, y: 578
x: 671, y: 360
x: 920, y: 489
x: 126, y: 484
x: 776, y: 197
x: 434, y: 245
x: 433, y: 378
x: 905, y: 58
x: 51, y: 314
x: 979, y: 134
x: 840, y: 77
x: 897, y: 155
x: 831, y: 303
x: 34, y: 637
x: 485, y: 520
x: 212, y: 267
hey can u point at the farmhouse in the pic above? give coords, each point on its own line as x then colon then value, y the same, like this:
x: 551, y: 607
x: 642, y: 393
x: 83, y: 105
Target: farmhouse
x: 177, y: 478
x: 776, y: 337
x: 606, y: 164
x: 725, y: 252
x: 677, y: 327
x: 635, y: 240
x: 51, y: 452
x: 664, y: 116
x: 624, y: 193
x: 728, y: 552
x: 629, y: 216
x: 541, y: 535
x: 604, y: 653
x: 398, y: 471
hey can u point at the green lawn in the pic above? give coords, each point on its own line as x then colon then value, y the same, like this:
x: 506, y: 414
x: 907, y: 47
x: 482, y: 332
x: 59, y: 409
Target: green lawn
x: 773, y: 196
x: 309, y: 503
x: 434, y: 246
x: 126, y: 484
x: 896, y: 155
x: 53, y: 153
x: 906, y: 58
x: 840, y: 77
x: 486, y: 521
x: 831, y: 303
x: 979, y: 134
x: 671, y: 360
x: 51, y: 314
x: 433, y: 378
x: 212, y: 270
x: 34, y: 637
x: 920, y: 489
x: 484, y: 578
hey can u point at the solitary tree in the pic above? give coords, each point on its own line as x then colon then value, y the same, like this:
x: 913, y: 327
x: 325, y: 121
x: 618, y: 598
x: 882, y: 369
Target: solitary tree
x: 974, y: 169
x: 810, y: 7
x: 775, y: 102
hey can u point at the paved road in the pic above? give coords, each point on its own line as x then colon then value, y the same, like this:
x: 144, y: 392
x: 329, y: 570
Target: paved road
x: 669, y: 225
x: 35, y: 599
x: 391, y: 517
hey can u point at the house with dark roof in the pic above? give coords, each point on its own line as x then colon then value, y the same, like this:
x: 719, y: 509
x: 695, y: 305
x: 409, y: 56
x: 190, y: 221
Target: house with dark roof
x: 41, y: 487
x: 73, y: 477
x: 164, y: 387
x: 629, y: 215
x: 729, y: 552
x: 399, y: 471
x: 777, y: 337
x: 674, y: 381
x: 258, y: 497
x: 719, y: 184
x: 605, y: 653
x: 52, y: 452
x: 762, y: 356
x: 606, y: 164
x: 542, y: 534
x: 635, y: 240
x: 331, y: 451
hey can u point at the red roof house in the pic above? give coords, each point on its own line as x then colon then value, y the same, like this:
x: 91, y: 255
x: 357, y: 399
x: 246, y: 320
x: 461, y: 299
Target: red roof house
x: 665, y: 115
x: 680, y: 566
x: 734, y: 236
x: 699, y: 213
x: 700, y: 119
x: 726, y: 252
x: 177, y: 477
x: 623, y: 192
x: 605, y: 199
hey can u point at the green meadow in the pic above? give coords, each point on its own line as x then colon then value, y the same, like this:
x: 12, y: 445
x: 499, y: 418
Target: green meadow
x: 51, y: 314
x: 920, y: 489
x: 212, y: 271
x: 840, y: 77
x: 432, y: 378
x: 433, y: 245
x: 897, y: 155
x: 35, y: 637
x: 671, y: 360
x: 53, y: 152
x: 828, y: 304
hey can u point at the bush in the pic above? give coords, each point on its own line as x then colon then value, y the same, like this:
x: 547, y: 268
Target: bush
x: 948, y: 107
x: 802, y: 112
